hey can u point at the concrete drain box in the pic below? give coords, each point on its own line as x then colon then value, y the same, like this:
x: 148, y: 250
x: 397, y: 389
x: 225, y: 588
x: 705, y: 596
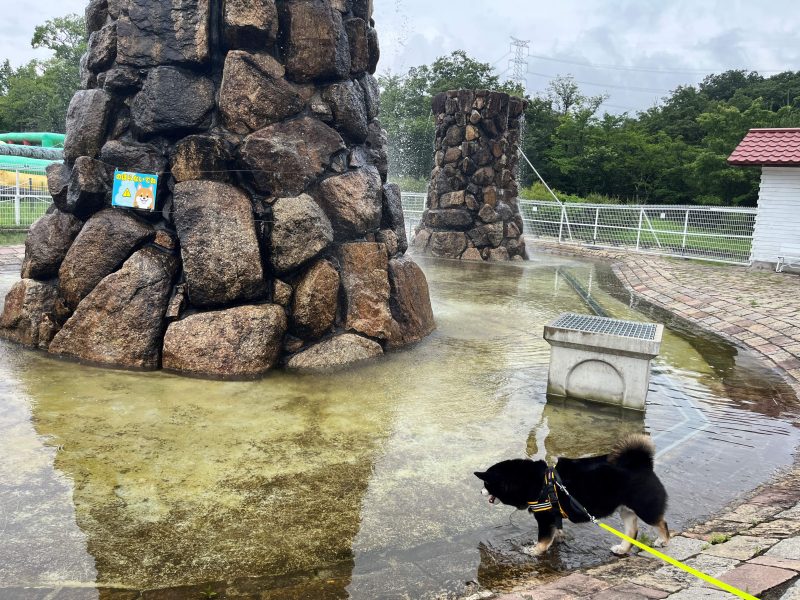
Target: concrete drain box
x: 601, y: 359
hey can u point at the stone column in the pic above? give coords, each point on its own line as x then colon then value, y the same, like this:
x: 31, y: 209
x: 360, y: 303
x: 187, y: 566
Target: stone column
x: 277, y: 238
x: 472, y: 211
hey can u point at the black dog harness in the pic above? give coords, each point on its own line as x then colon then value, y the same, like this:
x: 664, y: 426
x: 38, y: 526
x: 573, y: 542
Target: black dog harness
x: 548, y: 499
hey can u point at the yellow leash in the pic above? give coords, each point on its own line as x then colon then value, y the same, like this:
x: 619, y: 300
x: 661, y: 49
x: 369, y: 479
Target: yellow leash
x: 679, y: 564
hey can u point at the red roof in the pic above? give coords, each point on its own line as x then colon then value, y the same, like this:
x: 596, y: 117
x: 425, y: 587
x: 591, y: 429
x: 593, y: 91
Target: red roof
x: 770, y: 147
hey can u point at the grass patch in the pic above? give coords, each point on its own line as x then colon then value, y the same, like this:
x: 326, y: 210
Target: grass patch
x: 12, y: 238
x: 719, y: 538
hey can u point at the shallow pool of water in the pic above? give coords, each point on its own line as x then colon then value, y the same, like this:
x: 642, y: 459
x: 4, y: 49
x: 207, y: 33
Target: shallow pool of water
x: 356, y: 484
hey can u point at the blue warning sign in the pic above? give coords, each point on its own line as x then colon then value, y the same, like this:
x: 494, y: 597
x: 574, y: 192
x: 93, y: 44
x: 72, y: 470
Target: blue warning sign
x: 134, y: 190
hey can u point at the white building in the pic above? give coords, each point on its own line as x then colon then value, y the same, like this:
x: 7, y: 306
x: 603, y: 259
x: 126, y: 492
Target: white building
x: 776, y: 238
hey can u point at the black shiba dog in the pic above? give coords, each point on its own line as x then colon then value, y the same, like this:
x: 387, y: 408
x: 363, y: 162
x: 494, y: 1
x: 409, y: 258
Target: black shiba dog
x: 623, y: 479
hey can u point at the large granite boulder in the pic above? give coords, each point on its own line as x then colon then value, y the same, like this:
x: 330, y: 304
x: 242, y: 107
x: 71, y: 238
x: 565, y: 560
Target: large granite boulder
x: 201, y: 157
x: 447, y: 244
x: 58, y: 176
x: 316, y: 300
x: 392, y: 215
x: 250, y: 24
x: 102, y: 48
x: 349, y: 109
x: 87, y: 119
x: 48, y: 241
x: 316, y: 42
x: 254, y: 92
x: 120, y: 321
x: 89, y: 187
x: 365, y: 281
x: 358, y: 39
x: 219, y: 247
x: 133, y: 157
x: 338, y: 351
x: 352, y: 201
x: 300, y: 231
x: 286, y: 157
x: 243, y: 341
x: 172, y: 101
x: 158, y: 33
x: 26, y: 309
x: 96, y: 14
x: 410, y: 302
x: 106, y: 240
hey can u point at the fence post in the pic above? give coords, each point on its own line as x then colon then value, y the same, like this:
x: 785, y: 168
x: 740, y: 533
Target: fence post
x: 685, y: 231
x: 561, y: 224
x: 596, y: 219
x: 639, y: 229
x: 16, y: 202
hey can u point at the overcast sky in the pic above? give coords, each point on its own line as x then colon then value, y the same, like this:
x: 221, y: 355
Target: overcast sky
x: 653, y: 46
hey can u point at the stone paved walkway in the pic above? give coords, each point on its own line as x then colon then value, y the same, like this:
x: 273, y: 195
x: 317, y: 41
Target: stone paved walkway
x: 755, y: 545
x: 11, y: 257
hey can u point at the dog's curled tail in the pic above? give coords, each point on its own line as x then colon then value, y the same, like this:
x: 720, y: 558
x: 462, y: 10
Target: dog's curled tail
x: 634, y: 451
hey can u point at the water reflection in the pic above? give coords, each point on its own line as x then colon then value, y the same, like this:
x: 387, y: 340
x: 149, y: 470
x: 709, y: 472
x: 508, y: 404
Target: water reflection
x: 360, y: 484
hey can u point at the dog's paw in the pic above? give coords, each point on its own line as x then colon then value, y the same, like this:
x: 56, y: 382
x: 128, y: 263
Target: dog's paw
x: 620, y: 549
x: 533, y: 550
x: 659, y: 543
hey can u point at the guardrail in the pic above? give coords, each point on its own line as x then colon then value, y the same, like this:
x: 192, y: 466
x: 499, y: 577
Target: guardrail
x: 24, y: 196
x: 715, y: 233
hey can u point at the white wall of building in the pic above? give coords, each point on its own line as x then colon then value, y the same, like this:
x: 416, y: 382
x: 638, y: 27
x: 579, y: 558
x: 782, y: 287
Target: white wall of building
x: 778, y: 216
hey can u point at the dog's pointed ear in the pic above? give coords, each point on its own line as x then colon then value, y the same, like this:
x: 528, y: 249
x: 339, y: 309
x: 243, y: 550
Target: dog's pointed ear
x: 481, y: 475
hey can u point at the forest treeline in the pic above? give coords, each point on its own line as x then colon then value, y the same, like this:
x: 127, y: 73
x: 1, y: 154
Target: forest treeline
x: 672, y: 153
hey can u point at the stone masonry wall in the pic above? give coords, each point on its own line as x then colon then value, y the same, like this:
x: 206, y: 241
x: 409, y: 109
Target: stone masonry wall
x: 277, y: 239
x: 471, y: 211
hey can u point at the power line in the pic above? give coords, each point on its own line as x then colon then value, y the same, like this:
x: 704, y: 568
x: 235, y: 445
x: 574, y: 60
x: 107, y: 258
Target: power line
x: 646, y: 69
x: 607, y: 85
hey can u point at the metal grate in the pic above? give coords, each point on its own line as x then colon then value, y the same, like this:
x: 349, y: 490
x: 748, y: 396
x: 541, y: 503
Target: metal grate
x: 590, y: 324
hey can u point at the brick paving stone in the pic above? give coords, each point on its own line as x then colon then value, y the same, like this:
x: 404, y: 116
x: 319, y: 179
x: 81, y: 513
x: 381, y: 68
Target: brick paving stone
x: 751, y: 513
x: 700, y: 593
x: 793, y: 564
x: 793, y: 593
x: 679, y: 548
x: 629, y: 591
x: 704, y: 531
x: 741, y: 547
x: 672, y: 579
x: 788, y: 548
x: 571, y: 586
x: 791, y: 513
x: 779, y: 528
x: 756, y: 579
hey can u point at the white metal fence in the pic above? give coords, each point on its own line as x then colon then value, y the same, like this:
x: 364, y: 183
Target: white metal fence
x: 23, y: 196
x: 705, y: 232
x: 413, y: 207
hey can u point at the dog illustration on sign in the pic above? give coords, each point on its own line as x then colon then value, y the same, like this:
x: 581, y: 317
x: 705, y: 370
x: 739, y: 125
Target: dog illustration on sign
x: 144, y: 198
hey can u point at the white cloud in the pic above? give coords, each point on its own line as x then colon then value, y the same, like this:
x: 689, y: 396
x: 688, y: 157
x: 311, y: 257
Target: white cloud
x: 672, y: 35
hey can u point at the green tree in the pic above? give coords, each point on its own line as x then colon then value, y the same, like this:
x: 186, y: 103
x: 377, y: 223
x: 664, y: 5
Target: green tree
x: 35, y: 96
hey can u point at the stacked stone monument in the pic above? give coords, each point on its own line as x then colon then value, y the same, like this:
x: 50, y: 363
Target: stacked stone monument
x: 471, y: 210
x: 277, y: 239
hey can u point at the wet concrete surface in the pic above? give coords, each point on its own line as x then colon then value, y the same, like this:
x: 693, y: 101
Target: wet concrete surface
x: 354, y: 484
